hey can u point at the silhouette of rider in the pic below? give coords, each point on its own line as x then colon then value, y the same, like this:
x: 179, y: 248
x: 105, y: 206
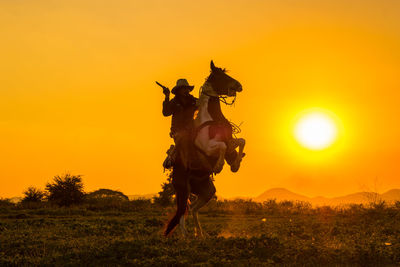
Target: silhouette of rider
x: 182, y: 108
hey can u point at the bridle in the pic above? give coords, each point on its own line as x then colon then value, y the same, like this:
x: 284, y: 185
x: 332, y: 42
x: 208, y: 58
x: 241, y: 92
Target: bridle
x: 222, y: 98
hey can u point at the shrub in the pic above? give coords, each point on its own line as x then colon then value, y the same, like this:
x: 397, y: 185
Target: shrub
x: 106, y: 199
x: 107, y: 193
x: 5, y: 202
x: 66, y: 190
x: 165, y: 196
x: 33, y: 194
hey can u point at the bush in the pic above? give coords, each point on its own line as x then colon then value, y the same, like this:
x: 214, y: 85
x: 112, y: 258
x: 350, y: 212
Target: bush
x: 5, y: 202
x: 107, y: 193
x: 66, y: 190
x: 33, y: 194
x: 166, y: 195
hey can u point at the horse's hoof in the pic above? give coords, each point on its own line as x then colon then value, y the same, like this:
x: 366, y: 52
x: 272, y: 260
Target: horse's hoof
x: 236, y: 165
x: 235, y: 168
x: 199, y: 235
x: 218, y: 169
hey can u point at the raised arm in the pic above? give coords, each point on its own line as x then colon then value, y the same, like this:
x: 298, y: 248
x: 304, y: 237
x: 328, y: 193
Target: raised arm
x: 168, y: 106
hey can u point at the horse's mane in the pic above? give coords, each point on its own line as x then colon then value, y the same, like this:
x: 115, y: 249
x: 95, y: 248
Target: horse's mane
x: 224, y: 70
x: 214, y: 106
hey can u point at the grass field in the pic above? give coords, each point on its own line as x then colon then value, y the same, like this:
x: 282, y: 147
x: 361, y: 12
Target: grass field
x: 239, y: 234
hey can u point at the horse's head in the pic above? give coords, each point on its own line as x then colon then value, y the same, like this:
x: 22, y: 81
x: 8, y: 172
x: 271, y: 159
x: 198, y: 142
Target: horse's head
x: 221, y: 83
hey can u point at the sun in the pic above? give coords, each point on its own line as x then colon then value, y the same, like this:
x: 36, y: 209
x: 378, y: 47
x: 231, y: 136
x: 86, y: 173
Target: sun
x: 315, y: 130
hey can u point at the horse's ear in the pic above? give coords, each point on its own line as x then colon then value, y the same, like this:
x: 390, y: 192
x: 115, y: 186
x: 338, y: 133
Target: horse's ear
x: 212, y: 65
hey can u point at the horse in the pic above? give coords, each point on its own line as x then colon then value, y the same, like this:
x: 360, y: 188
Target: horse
x: 210, y: 144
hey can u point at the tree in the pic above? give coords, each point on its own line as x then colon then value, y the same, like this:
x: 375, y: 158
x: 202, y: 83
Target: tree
x: 66, y: 190
x: 33, y: 194
x: 107, y: 193
x: 165, y: 196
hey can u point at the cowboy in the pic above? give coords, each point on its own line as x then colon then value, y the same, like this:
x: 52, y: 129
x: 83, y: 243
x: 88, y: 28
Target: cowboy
x: 182, y: 108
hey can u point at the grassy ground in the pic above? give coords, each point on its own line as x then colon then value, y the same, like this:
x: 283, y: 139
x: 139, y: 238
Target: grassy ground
x: 251, y: 237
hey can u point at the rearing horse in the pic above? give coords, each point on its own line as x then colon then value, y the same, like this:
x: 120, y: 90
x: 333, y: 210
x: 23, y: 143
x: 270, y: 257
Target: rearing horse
x: 211, y: 144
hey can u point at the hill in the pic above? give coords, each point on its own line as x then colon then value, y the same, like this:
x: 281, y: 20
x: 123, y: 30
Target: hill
x: 281, y: 194
x: 391, y: 195
x: 15, y: 200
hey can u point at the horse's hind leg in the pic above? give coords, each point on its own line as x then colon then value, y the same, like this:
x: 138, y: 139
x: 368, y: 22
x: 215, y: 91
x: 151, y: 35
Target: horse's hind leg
x: 182, y: 226
x: 182, y: 219
x: 181, y: 186
x: 199, y: 202
x: 202, y: 199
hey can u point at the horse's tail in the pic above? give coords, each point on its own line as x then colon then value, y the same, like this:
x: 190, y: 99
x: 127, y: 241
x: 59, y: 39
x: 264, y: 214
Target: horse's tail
x: 182, y: 204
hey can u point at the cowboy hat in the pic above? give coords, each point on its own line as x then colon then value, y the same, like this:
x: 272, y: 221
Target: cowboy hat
x: 181, y: 83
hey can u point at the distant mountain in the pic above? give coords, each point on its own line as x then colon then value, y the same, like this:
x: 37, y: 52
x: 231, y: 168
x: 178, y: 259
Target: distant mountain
x: 234, y: 198
x: 281, y: 194
x: 15, y: 200
x: 391, y: 195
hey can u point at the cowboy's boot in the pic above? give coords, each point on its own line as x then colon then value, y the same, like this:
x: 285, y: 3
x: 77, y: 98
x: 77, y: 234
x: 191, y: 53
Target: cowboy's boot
x: 170, y: 159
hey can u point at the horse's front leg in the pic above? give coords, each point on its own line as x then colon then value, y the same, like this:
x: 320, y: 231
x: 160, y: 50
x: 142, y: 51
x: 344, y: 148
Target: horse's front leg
x: 220, y: 148
x: 239, y: 142
x: 202, y: 199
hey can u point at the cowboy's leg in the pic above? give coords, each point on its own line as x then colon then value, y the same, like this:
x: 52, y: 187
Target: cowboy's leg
x: 181, y: 149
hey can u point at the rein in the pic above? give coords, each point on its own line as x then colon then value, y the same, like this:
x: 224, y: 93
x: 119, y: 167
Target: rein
x: 223, y: 99
x: 235, y: 128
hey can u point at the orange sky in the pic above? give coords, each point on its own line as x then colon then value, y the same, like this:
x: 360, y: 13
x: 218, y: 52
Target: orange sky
x: 77, y: 89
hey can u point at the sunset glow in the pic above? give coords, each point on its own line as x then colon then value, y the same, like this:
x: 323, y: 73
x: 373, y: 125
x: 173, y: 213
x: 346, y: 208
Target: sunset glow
x: 200, y: 132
